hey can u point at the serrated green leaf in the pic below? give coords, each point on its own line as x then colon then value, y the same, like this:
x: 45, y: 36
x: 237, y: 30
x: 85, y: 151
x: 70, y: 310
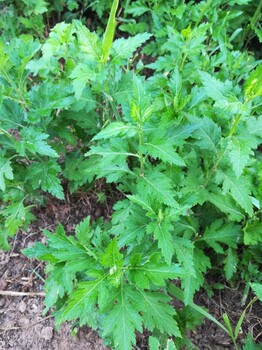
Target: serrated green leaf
x: 227, y: 205
x: 88, y: 42
x: 193, y: 280
x: 162, y: 233
x: 214, y: 88
x: 238, y: 188
x: 142, y: 202
x: 250, y: 343
x: 123, y: 49
x: 37, y: 7
x: 116, y: 129
x: 138, y: 8
x: 218, y: 232
x: 162, y: 148
x: 83, y: 231
x: 157, y: 313
x: 81, y: 75
x: 154, y: 271
x: 58, y: 283
x: 184, y: 249
x: 257, y: 288
x: 64, y: 248
x: 112, y: 257
x: 81, y: 303
x: 208, y: 134
x: 34, y: 141
x: 46, y: 97
x: 254, y: 127
x: 113, y: 163
x: 253, y: 86
x: 6, y: 172
x: 123, y: 319
x: 16, y: 215
x: 170, y: 345
x: 253, y: 233
x: 153, y: 343
x: 158, y: 186
x: 239, y: 155
x: 129, y: 223
x: 45, y: 176
x: 230, y: 261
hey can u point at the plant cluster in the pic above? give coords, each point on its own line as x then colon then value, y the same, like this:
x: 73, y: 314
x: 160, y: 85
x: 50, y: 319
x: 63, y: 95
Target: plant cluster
x: 176, y: 129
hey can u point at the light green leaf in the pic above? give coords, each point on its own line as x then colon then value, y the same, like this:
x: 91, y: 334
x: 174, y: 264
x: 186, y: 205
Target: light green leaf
x: 81, y: 303
x: 214, y: 88
x: 83, y: 231
x: 239, y: 155
x: 33, y: 140
x: 163, y: 149
x: 218, y: 233
x: 123, y: 319
x: 253, y: 86
x: 154, y: 271
x: 230, y: 261
x: 194, y: 279
x: 153, y: 343
x: 156, y: 185
x: 257, y: 288
x: 208, y: 134
x: 238, y: 188
x: 6, y: 172
x: 157, y: 313
x: 142, y: 202
x: 123, y: 49
x: 112, y: 257
x: 162, y: 233
x: 170, y: 345
x: 88, y: 42
x: 227, y: 205
x: 81, y: 75
x: 253, y: 233
x: 45, y: 176
x: 184, y: 252
x: 116, y: 129
x: 109, y: 32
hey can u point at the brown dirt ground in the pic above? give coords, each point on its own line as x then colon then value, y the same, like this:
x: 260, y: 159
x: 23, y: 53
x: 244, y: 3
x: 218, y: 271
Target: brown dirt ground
x: 22, y: 326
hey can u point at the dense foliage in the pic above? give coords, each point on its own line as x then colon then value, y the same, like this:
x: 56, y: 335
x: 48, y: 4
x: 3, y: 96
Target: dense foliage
x: 170, y: 116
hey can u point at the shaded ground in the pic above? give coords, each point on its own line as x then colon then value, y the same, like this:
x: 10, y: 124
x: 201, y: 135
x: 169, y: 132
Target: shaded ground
x: 22, y: 327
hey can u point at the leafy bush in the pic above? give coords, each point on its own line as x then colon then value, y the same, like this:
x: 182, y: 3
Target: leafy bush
x: 182, y: 147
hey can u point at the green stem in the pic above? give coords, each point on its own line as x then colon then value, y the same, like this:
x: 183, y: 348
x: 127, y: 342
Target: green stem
x: 22, y: 102
x: 214, y: 167
x: 235, y: 124
x: 223, y: 151
x: 142, y: 160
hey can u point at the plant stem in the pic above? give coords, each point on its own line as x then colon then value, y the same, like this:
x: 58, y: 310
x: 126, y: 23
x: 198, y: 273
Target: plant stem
x: 223, y: 151
x: 142, y: 160
x: 235, y: 124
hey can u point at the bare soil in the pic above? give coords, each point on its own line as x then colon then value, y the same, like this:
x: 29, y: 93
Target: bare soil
x: 22, y: 325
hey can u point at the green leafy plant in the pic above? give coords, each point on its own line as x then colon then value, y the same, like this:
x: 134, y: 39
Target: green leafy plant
x: 66, y: 105
x: 181, y: 146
